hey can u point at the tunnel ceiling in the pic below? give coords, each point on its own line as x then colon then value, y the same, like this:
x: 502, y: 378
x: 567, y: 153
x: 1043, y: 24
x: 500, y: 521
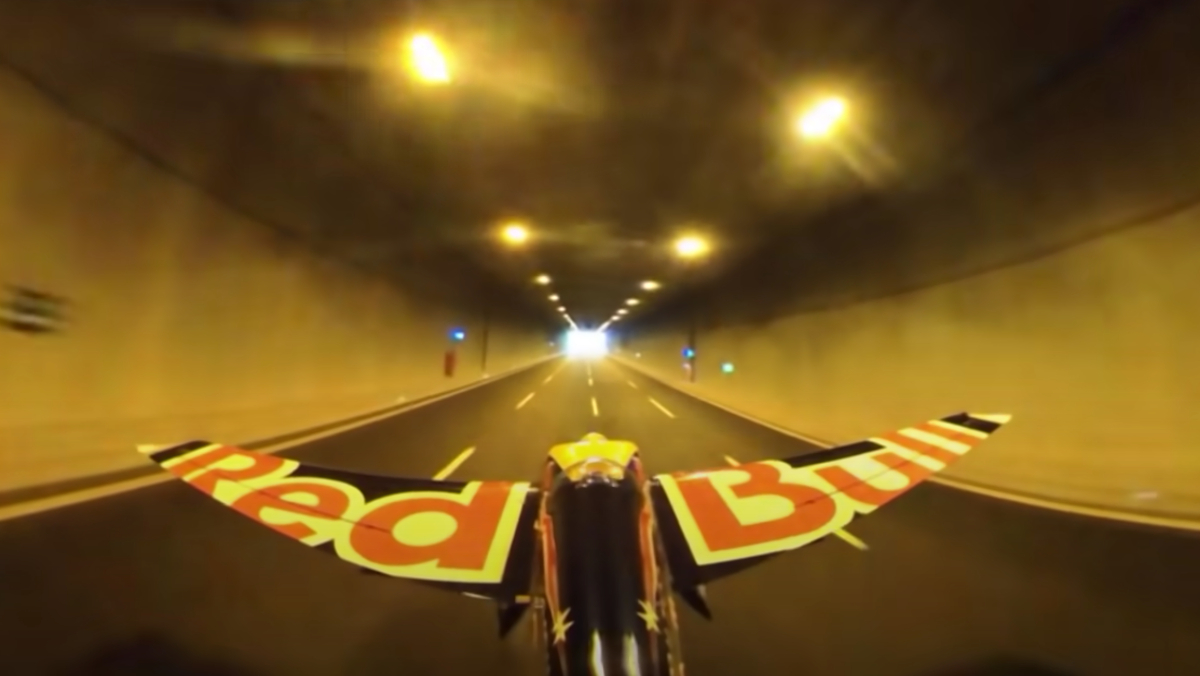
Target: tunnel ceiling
x: 612, y: 126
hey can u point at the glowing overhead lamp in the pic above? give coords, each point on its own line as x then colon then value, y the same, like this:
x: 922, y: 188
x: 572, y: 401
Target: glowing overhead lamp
x: 427, y: 59
x: 514, y: 234
x: 691, y: 246
x: 822, y: 119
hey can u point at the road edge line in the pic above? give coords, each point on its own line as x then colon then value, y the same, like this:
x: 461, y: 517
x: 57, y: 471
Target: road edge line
x: 75, y: 497
x: 1173, y: 523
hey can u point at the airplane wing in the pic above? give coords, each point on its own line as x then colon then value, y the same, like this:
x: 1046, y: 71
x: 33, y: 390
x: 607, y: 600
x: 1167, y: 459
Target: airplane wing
x: 717, y: 522
x: 473, y: 537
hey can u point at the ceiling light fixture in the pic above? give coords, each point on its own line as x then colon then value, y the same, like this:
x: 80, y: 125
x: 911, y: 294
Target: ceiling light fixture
x: 428, y: 60
x: 691, y: 246
x: 514, y: 234
x: 822, y: 119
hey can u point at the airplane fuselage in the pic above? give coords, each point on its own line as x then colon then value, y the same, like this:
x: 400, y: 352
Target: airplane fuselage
x: 607, y: 609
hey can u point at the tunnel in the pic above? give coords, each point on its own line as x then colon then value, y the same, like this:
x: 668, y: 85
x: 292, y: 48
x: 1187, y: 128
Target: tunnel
x: 429, y: 238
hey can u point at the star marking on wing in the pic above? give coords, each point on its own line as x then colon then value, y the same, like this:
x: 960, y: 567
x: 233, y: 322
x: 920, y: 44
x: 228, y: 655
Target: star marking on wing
x: 561, y: 625
x: 649, y: 616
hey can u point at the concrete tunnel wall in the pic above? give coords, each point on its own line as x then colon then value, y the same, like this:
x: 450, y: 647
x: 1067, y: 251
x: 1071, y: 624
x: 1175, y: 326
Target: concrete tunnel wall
x: 186, y: 319
x: 1055, y: 276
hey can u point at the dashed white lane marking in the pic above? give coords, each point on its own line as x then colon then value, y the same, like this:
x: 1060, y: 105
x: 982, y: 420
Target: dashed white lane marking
x: 590, y: 383
x: 525, y: 400
x: 595, y: 408
x: 661, y: 408
x: 851, y: 540
x: 551, y: 376
x: 630, y: 382
x: 845, y: 535
x: 454, y: 464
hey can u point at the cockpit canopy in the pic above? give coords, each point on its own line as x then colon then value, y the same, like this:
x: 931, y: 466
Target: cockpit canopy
x: 594, y: 456
x: 595, y: 468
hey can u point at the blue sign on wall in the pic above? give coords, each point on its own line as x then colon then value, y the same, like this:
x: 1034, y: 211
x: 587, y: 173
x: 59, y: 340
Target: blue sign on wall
x: 458, y: 335
x: 688, y: 353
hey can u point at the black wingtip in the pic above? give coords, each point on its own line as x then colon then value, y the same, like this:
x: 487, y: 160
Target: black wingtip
x: 694, y: 597
x: 987, y: 423
x: 508, y: 615
x: 164, y: 454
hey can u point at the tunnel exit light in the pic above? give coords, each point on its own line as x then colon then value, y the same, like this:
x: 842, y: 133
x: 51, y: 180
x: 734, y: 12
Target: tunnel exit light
x: 587, y: 343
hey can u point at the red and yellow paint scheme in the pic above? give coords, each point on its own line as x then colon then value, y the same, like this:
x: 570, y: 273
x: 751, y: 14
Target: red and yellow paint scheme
x: 599, y: 550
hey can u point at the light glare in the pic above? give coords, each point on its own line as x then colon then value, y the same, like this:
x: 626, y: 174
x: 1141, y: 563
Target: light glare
x: 691, y: 246
x: 542, y: 279
x: 515, y: 233
x: 632, y: 301
x: 428, y: 61
x: 587, y: 343
x: 651, y: 285
x: 820, y: 120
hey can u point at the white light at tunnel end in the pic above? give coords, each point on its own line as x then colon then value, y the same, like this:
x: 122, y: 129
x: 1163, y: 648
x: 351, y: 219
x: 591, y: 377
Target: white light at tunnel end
x: 586, y: 343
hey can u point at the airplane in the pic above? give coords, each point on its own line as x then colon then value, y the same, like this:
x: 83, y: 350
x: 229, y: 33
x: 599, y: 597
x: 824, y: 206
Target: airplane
x: 598, y: 550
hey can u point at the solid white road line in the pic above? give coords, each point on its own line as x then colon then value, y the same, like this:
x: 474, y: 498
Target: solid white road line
x: 595, y: 408
x: 661, y: 408
x: 454, y: 464
x: 104, y: 491
x: 525, y: 400
x: 630, y: 382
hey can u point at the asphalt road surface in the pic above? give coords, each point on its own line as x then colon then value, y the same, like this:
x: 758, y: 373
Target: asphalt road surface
x: 164, y: 581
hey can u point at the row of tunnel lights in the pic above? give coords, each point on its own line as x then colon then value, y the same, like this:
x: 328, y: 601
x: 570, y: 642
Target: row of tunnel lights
x: 649, y: 285
x: 686, y: 247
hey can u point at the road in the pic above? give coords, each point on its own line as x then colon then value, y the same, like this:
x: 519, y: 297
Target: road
x: 163, y: 581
